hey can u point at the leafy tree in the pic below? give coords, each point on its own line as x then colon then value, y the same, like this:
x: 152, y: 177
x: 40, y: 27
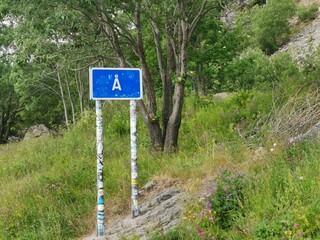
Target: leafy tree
x: 50, y: 59
x: 10, y: 104
x: 213, y: 47
x: 173, y: 23
x: 55, y: 35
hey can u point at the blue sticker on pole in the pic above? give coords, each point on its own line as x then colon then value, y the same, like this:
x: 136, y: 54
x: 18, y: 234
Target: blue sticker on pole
x: 115, y: 84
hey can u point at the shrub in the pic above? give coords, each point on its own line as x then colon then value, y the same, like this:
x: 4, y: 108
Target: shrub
x: 251, y: 68
x: 283, y: 66
x: 226, y: 198
x: 270, y: 24
x: 220, y: 201
x: 308, y: 13
x: 254, y: 69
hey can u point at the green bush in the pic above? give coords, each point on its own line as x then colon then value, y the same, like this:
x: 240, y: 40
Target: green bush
x: 244, y: 27
x: 268, y: 230
x: 308, y: 13
x: 283, y: 66
x: 226, y: 198
x: 252, y: 68
x: 270, y: 24
x: 221, y: 200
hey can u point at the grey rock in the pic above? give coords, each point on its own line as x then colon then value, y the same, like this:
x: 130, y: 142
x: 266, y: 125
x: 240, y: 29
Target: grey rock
x: 221, y: 96
x: 159, y: 213
x: 304, y: 44
x: 160, y: 210
x: 37, y: 131
x: 148, y: 187
x: 13, y: 139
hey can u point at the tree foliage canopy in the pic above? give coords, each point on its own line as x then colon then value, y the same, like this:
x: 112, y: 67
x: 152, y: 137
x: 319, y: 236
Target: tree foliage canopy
x: 56, y: 42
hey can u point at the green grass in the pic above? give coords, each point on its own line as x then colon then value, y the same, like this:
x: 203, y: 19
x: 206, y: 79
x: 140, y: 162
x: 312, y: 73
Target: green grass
x: 276, y: 198
x: 284, y: 198
x: 48, y: 186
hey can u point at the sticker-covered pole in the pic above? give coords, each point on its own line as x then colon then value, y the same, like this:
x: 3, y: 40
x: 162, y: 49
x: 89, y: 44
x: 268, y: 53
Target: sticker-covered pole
x: 134, y: 165
x: 100, y: 191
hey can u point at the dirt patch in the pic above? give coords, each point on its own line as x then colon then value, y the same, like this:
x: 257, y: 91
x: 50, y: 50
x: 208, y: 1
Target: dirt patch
x: 308, y: 2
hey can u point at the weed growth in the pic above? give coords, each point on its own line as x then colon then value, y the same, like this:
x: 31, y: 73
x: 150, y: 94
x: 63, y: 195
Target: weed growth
x: 307, y: 13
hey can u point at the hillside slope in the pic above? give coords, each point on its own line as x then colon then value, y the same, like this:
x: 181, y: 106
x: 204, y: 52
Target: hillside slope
x: 305, y: 42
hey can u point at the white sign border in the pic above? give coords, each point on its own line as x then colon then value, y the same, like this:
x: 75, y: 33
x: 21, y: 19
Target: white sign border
x: 113, y: 98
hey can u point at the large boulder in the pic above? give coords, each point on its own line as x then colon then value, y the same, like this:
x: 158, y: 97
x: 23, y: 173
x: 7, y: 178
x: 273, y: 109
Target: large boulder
x: 221, y: 96
x: 37, y: 131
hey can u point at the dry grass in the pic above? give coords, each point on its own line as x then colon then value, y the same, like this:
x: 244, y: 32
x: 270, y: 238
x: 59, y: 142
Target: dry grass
x: 300, y: 113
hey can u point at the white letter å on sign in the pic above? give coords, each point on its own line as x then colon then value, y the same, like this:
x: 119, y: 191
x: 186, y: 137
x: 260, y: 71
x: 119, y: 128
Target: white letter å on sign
x: 116, y: 83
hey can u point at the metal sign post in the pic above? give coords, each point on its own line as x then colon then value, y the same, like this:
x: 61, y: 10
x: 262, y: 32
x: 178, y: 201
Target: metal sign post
x: 100, y: 191
x: 134, y: 165
x: 115, y: 84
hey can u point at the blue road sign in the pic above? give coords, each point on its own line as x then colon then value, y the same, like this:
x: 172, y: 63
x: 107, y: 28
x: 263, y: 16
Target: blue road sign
x: 115, y: 84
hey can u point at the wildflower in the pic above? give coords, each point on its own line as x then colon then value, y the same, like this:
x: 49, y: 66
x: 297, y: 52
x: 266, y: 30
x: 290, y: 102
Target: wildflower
x: 297, y: 225
x: 272, y: 149
x: 301, y: 177
x: 200, y: 232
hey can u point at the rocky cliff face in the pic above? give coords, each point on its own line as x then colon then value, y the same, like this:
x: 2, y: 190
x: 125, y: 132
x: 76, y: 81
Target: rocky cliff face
x: 304, y: 44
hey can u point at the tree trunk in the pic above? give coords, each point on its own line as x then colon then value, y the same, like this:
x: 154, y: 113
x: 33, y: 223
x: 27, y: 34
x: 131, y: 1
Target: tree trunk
x: 149, y: 114
x: 70, y: 98
x: 2, y: 128
x: 167, y: 84
x: 172, y: 132
x: 171, y: 140
x: 154, y: 129
x: 198, y: 81
x: 63, y: 100
x: 77, y: 76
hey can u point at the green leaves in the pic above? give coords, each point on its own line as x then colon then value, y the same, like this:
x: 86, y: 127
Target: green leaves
x: 271, y: 26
